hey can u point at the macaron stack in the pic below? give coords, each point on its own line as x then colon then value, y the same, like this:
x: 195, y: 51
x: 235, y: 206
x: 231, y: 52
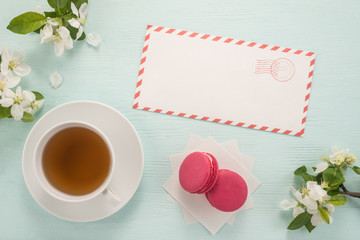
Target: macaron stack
x: 224, y: 189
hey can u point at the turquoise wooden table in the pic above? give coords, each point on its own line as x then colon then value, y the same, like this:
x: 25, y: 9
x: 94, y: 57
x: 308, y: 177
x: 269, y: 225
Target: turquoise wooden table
x: 108, y: 74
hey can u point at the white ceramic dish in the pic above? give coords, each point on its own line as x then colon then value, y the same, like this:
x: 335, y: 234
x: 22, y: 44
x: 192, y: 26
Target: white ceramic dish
x: 128, y: 156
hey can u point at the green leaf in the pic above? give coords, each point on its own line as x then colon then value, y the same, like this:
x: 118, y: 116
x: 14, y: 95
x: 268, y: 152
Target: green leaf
x: 77, y: 3
x: 38, y: 30
x: 73, y: 32
x: 334, y: 177
x: 356, y: 169
x: 69, y: 16
x: 50, y: 14
x: 82, y: 37
x: 26, y: 23
x: 300, y: 171
x: 38, y: 96
x: 59, y: 6
x: 324, y: 215
x: 299, y: 221
x: 337, y: 200
x: 28, y: 117
x: 309, y: 226
x: 308, y: 177
x: 333, y: 192
x: 4, y: 112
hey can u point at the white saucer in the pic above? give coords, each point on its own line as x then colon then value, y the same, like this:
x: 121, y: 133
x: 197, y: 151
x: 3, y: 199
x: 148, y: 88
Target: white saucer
x: 128, y: 156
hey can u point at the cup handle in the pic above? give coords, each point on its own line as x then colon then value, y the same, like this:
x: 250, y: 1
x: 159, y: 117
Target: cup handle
x: 111, y: 196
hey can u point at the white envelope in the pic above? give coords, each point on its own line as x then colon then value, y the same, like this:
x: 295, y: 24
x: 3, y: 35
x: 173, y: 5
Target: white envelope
x: 224, y: 80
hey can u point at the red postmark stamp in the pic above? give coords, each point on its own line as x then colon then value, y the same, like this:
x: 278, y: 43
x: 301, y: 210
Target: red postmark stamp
x: 281, y: 69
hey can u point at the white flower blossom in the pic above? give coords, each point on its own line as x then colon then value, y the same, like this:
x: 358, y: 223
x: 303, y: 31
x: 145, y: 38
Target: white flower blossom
x: 12, y: 63
x: 60, y: 37
x: 62, y: 40
x: 80, y: 18
x: 47, y: 32
x: 309, y: 199
x: 36, y: 105
x: 310, y: 204
x: 6, y: 83
x: 315, y: 191
x: 20, y: 101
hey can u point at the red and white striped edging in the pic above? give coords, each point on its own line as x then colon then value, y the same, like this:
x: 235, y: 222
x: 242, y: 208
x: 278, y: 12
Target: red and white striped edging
x: 151, y: 28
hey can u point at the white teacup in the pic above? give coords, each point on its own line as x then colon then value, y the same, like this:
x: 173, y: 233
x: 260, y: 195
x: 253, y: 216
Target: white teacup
x: 104, y: 189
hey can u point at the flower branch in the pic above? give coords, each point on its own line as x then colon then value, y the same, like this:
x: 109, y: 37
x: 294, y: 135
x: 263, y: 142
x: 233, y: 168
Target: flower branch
x: 59, y: 27
x: 313, y: 203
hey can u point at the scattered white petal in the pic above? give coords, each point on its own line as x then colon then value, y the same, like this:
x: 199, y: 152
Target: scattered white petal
x: 321, y: 167
x: 55, y: 80
x: 93, y: 39
x: 288, y: 204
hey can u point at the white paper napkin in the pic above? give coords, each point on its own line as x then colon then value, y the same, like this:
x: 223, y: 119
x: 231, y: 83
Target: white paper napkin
x: 196, y: 207
x: 231, y: 146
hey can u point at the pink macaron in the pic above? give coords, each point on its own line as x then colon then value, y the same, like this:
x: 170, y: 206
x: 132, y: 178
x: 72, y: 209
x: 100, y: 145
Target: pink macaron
x: 229, y: 192
x: 198, y: 172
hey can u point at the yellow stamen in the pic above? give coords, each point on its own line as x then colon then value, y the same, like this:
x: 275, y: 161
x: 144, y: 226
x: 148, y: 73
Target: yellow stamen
x: 12, y: 64
x: 2, y: 84
x: 82, y: 20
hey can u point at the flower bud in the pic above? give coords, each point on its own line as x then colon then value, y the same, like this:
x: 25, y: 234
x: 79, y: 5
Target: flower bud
x: 350, y: 159
x: 340, y: 158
